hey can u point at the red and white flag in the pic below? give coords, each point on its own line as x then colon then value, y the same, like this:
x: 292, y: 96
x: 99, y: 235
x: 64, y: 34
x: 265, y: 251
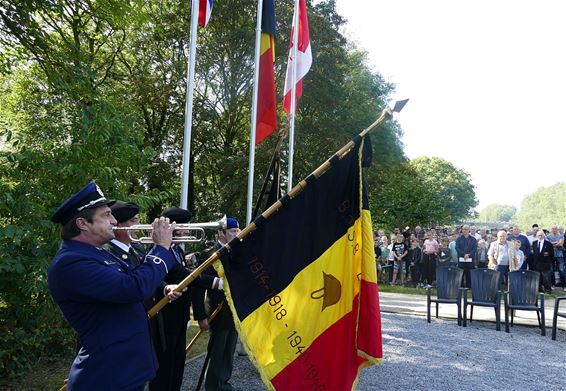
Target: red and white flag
x: 303, y: 61
x: 204, y: 11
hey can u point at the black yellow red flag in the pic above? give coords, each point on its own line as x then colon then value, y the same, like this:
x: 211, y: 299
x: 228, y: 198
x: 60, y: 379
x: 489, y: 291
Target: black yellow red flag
x: 266, y: 121
x: 303, y: 286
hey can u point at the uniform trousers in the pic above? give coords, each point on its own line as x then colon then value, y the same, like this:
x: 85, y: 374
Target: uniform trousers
x: 221, y: 348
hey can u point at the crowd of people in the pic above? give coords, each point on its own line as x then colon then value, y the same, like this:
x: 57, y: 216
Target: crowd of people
x: 105, y: 283
x: 412, y: 255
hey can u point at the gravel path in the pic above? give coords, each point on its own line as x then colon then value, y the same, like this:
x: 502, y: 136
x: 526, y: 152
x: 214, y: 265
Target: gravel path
x: 443, y: 356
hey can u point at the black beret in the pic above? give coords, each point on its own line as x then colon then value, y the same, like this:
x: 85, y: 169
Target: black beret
x: 123, y: 211
x: 177, y: 215
x: 88, y: 197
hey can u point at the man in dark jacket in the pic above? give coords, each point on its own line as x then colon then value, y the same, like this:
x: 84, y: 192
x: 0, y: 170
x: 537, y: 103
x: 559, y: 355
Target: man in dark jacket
x: 543, y: 256
x: 466, y: 247
x: 101, y: 296
x: 223, y: 335
x: 170, y: 340
x: 126, y: 215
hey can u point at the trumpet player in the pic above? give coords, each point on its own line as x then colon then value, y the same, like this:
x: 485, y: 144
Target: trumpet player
x: 171, y: 339
x: 126, y: 215
x: 101, y: 296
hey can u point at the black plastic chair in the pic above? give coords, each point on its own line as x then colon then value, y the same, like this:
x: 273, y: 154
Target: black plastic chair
x: 448, y: 280
x: 556, y: 315
x: 522, y: 295
x: 485, y: 293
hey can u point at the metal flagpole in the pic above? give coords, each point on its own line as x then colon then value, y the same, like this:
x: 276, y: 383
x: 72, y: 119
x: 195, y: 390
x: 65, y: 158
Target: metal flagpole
x: 293, y: 95
x: 385, y: 115
x: 254, y: 113
x: 189, y: 105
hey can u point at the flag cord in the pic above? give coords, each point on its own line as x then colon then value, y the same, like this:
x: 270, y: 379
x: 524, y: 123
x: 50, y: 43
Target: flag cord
x: 385, y: 115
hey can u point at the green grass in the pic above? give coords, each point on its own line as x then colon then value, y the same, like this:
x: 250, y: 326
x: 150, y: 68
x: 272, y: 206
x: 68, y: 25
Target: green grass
x: 401, y: 289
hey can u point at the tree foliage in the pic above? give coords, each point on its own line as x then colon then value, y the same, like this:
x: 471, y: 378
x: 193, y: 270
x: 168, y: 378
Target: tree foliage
x: 423, y: 191
x: 545, y: 207
x: 497, y: 212
x: 452, y: 185
x: 95, y: 89
x: 402, y: 198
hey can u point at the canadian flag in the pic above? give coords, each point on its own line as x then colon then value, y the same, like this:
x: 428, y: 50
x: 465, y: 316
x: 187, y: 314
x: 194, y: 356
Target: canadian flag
x: 303, y: 61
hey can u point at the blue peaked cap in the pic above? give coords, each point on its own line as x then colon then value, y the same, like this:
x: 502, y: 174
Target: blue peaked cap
x: 88, y: 197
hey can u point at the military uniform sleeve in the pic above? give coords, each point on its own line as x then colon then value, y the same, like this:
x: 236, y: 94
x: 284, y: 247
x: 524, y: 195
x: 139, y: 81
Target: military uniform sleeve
x: 200, y: 286
x: 88, y: 280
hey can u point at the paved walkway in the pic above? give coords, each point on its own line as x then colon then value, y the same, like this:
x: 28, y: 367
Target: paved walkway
x: 442, y: 356
x: 416, y: 305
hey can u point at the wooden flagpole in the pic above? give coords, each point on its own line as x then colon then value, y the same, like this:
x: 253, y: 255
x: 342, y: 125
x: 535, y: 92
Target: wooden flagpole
x: 385, y: 115
x: 210, y: 319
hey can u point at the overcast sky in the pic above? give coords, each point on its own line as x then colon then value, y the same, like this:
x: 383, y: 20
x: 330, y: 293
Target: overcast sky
x: 487, y: 83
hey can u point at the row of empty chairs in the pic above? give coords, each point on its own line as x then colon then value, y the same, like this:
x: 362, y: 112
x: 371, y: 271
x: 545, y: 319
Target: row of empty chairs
x: 522, y: 295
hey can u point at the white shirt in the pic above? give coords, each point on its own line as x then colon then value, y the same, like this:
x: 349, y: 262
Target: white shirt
x: 123, y: 246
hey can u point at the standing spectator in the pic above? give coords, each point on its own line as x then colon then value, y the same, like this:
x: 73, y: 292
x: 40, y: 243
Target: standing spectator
x: 415, y: 259
x: 430, y: 252
x: 376, y: 244
x: 516, y: 234
x: 466, y: 246
x: 519, y: 258
x: 543, y: 255
x: 419, y: 233
x: 482, y: 233
x: 557, y: 241
x: 444, y: 255
x: 453, y: 252
x: 532, y: 238
x: 474, y: 233
x: 400, y: 251
x: 500, y: 254
x: 482, y: 254
x: 390, y: 259
x: 383, y: 260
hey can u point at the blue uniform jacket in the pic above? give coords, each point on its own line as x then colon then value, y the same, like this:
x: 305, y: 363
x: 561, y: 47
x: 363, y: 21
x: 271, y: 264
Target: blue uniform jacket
x: 102, y: 298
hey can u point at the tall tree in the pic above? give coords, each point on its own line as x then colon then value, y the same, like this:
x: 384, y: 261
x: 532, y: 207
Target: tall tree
x: 546, y: 207
x: 453, y: 185
x: 497, y: 212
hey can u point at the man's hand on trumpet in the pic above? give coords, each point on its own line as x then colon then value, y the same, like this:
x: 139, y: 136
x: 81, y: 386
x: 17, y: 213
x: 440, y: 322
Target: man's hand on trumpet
x: 162, y: 232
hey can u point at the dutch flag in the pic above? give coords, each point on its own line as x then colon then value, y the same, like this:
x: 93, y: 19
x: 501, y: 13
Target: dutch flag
x: 204, y: 11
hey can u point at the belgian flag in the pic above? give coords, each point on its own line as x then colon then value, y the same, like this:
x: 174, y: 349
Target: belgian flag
x: 266, y: 120
x: 303, y: 286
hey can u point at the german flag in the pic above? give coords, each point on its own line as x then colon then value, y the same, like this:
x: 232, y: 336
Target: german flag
x: 266, y: 102
x: 303, y: 286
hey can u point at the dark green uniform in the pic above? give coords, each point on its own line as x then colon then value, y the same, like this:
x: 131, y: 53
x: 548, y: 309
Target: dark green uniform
x: 223, y: 335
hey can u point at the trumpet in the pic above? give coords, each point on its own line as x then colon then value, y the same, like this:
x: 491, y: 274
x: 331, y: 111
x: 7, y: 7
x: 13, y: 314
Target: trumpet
x: 194, y: 231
